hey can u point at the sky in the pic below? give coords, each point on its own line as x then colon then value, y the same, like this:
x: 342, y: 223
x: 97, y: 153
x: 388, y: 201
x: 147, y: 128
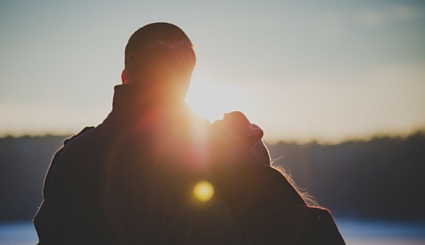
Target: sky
x: 301, y: 70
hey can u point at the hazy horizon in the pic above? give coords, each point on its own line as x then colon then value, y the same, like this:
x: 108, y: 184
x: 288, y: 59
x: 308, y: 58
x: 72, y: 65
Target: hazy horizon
x: 267, y: 141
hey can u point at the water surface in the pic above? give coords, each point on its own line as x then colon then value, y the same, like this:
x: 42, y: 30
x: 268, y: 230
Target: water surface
x: 355, y: 232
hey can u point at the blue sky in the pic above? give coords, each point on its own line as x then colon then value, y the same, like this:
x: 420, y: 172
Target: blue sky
x: 301, y: 70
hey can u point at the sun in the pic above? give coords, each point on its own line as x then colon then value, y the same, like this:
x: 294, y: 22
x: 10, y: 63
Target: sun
x: 212, y: 99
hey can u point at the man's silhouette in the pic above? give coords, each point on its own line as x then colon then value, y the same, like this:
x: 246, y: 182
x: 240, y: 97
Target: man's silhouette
x: 131, y: 179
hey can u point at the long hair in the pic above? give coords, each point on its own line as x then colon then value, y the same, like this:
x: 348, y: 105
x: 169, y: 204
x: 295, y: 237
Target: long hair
x: 308, y: 199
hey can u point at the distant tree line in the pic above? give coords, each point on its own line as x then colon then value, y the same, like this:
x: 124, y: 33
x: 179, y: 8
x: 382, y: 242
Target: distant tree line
x: 381, y: 178
x: 23, y: 165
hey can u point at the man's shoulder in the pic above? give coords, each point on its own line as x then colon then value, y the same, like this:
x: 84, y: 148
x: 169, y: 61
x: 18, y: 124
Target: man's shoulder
x: 85, y: 130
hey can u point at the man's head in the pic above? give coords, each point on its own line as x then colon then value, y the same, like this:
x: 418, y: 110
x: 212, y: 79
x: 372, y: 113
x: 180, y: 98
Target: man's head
x: 159, y: 56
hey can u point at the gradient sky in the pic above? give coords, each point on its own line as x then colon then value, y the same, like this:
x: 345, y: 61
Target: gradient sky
x: 302, y: 70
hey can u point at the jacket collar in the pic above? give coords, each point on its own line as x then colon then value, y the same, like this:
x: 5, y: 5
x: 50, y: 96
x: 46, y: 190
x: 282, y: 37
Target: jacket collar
x: 132, y: 102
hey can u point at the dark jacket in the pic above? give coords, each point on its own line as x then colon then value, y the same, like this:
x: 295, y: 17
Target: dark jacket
x: 130, y: 181
x: 262, y: 201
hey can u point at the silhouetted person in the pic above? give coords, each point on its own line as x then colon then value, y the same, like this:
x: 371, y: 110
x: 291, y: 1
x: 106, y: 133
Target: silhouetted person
x: 131, y: 179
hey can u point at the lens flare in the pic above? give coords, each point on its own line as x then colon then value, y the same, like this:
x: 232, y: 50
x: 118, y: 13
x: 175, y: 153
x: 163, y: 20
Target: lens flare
x: 203, y: 191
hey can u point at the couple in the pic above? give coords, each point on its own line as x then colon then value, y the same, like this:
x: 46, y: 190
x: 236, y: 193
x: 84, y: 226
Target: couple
x: 155, y: 173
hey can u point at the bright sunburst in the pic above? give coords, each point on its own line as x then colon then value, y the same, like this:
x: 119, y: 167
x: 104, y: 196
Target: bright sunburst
x: 212, y: 99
